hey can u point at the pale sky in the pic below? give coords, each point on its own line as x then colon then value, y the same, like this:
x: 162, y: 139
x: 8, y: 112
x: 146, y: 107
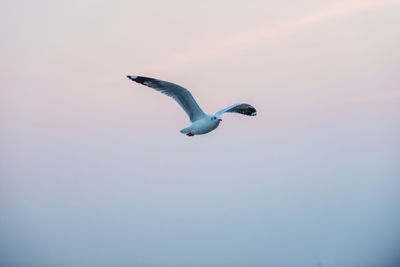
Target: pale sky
x: 94, y: 171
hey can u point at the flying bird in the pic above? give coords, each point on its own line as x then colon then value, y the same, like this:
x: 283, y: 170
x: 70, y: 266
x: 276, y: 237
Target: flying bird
x: 202, y: 123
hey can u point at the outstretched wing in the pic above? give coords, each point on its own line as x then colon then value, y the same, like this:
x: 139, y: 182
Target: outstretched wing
x: 180, y: 94
x: 241, y: 108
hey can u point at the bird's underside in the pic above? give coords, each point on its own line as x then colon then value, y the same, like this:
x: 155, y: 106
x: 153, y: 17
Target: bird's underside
x: 202, y: 123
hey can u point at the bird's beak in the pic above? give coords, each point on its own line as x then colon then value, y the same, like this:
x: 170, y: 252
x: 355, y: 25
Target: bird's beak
x: 220, y: 119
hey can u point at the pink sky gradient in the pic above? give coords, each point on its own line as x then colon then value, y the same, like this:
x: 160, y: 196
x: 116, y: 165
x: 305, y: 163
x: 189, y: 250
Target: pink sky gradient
x: 94, y: 171
x: 242, y: 41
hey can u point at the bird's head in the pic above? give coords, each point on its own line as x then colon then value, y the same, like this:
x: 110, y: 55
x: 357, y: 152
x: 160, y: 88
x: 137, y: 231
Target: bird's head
x: 215, y: 118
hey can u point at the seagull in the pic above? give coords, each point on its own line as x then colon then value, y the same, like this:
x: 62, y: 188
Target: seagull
x: 202, y: 123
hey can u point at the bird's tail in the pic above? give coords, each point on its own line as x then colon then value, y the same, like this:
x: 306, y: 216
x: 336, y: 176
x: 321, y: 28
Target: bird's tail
x: 185, y: 131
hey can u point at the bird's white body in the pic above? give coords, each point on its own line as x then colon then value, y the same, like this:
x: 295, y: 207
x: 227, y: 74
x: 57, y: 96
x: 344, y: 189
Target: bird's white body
x: 205, y: 125
x: 202, y: 123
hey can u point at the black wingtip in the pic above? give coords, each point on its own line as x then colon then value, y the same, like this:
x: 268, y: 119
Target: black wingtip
x: 130, y: 77
x: 245, y: 109
x: 142, y: 80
